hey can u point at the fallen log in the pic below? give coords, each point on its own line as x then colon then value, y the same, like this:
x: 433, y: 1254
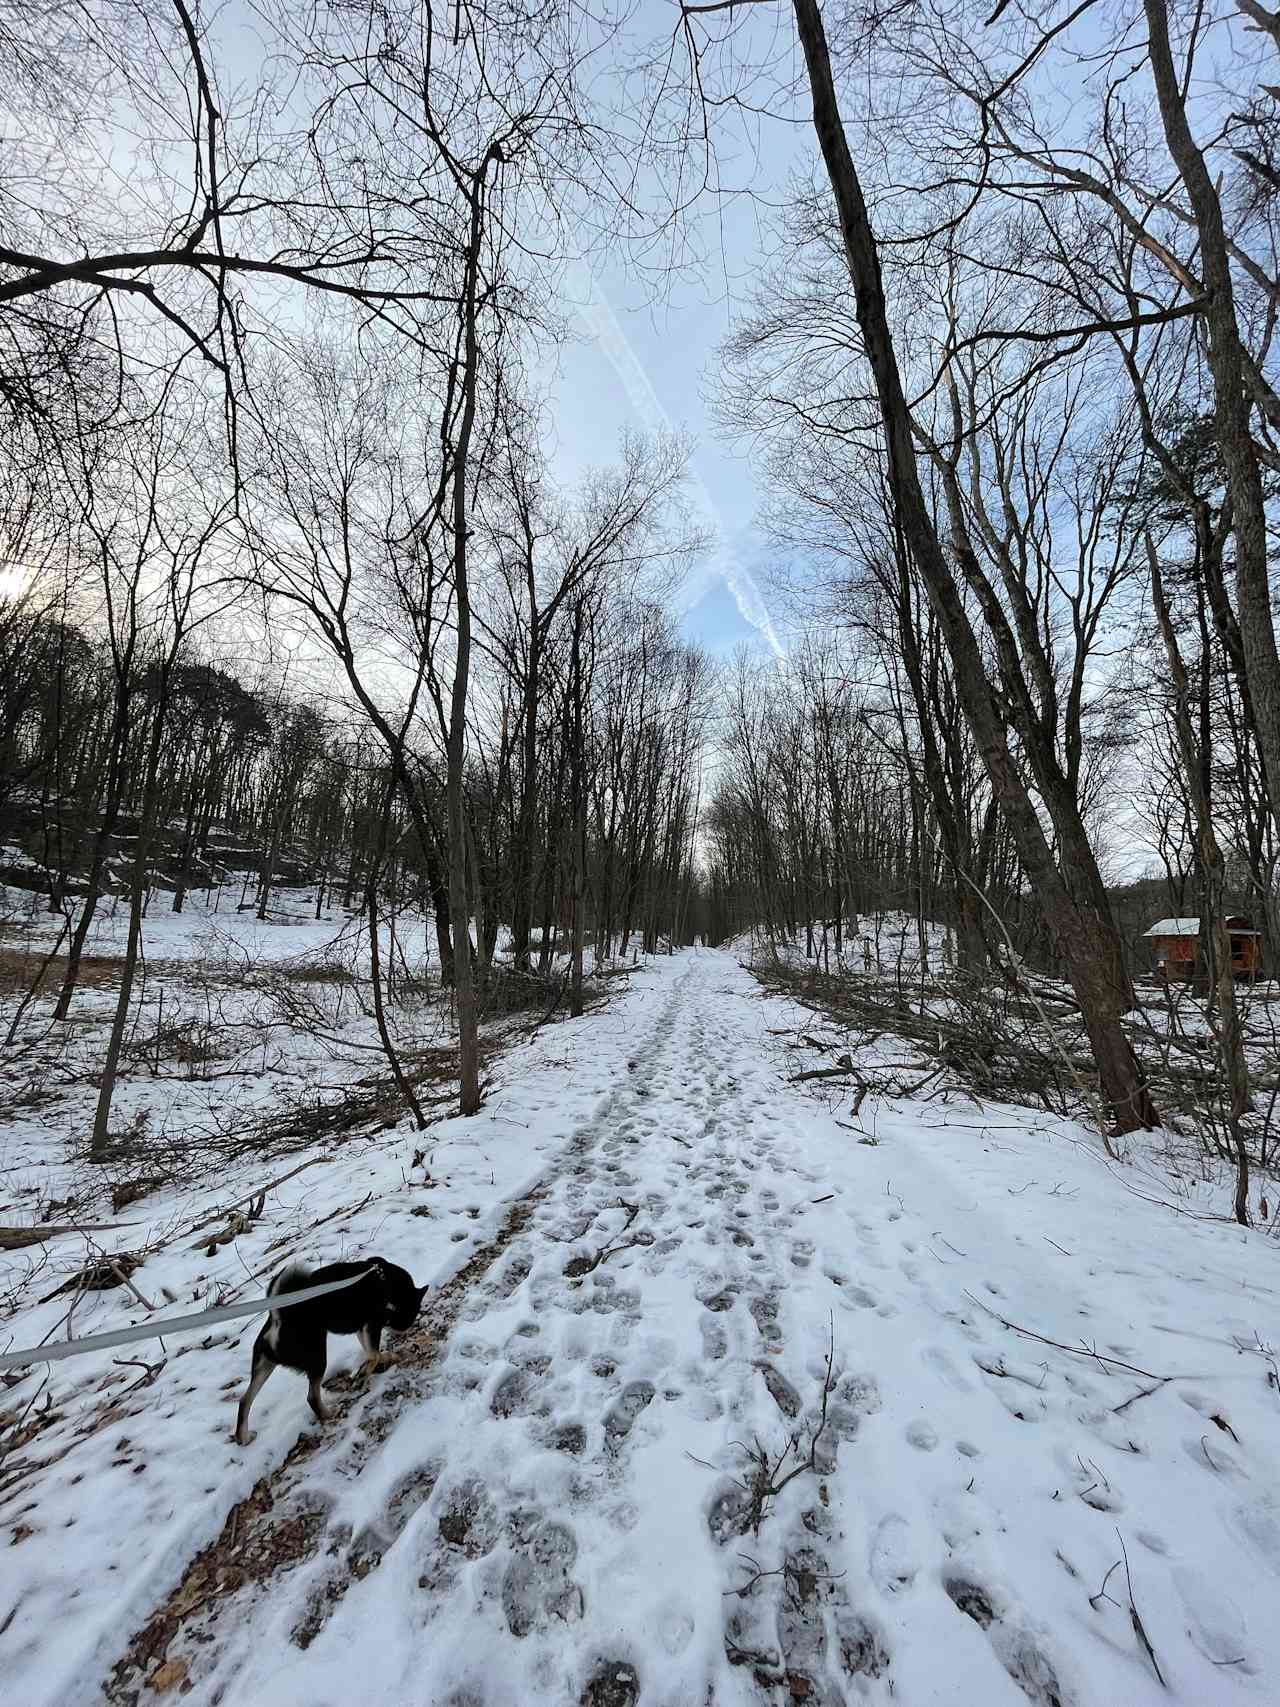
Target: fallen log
x: 15, y: 1238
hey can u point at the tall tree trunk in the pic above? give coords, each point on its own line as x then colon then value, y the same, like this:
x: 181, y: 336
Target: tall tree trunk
x: 107, y: 822
x: 579, y: 816
x: 463, y: 967
x: 971, y: 945
x: 1214, y: 873
x: 379, y: 1011
x: 99, y: 1143
x: 1231, y: 410
x: 1079, y: 935
x: 522, y: 866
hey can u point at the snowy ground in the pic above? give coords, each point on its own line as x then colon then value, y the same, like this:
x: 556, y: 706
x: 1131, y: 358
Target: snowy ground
x: 545, y: 1502
x: 234, y: 1022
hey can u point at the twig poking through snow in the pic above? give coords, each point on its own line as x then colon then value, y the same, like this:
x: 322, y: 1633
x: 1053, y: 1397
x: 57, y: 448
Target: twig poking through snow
x: 1134, y: 1618
x: 1102, y: 1592
x: 1142, y: 1393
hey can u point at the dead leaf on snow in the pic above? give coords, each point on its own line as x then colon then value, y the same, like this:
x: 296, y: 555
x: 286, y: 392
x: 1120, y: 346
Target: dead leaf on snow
x: 168, y: 1676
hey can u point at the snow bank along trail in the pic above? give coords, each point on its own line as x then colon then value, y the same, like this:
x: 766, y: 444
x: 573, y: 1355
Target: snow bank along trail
x: 546, y: 1501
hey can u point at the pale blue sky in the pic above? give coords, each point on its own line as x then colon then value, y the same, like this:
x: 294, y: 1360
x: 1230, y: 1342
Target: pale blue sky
x: 672, y: 349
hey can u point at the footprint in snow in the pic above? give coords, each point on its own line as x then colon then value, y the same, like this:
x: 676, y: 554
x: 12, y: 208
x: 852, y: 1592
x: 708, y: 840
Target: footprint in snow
x: 514, y: 1397
x: 1207, y: 1450
x: 812, y: 1609
x: 468, y: 1519
x: 728, y: 1513
x: 613, y: 1683
x: 1215, y: 1627
x: 1091, y: 1483
x: 536, y: 1585
x: 674, y: 1626
x: 715, y: 1342
x: 1021, y: 1405
x: 922, y: 1435
x: 936, y: 1359
x: 621, y: 1416
x: 892, y: 1561
x: 365, y: 1552
x: 764, y: 1312
x: 781, y: 1391
x: 1012, y: 1644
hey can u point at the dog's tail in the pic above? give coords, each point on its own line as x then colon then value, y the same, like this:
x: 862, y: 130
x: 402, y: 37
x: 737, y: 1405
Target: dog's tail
x: 292, y: 1278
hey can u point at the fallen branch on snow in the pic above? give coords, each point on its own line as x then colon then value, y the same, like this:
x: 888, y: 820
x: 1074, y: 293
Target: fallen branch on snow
x: 577, y: 1267
x: 1078, y: 1350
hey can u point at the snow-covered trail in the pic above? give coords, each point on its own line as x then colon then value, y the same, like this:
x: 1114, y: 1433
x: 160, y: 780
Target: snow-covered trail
x: 547, y: 1507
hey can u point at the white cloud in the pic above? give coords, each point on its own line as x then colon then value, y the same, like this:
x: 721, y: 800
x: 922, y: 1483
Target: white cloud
x: 602, y: 323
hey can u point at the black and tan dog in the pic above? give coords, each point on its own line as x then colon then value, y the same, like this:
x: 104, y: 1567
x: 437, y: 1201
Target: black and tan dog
x: 297, y: 1337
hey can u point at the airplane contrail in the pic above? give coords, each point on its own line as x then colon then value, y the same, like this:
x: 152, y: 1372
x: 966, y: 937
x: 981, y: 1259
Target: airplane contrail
x: 602, y: 323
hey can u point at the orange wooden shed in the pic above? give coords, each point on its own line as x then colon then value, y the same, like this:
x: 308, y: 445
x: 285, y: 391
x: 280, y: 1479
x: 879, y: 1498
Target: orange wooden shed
x: 1177, y: 947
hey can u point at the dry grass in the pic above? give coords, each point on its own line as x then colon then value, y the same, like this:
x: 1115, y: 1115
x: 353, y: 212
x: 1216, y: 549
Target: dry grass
x: 329, y: 969
x: 19, y: 968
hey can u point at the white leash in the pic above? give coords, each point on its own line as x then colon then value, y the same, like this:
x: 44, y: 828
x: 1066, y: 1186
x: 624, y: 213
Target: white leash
x: 171, y: 1325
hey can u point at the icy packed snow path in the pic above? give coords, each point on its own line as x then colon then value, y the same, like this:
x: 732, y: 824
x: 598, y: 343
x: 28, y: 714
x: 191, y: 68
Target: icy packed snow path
x: 544, y: 1509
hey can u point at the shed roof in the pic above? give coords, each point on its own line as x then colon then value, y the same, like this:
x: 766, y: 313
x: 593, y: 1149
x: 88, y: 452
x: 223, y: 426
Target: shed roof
x: 1191, y: 927
x: 1174, y: 927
